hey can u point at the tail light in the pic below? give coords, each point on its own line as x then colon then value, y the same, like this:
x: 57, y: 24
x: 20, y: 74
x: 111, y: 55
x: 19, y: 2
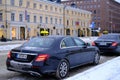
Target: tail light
x: 9, y: 55
x: 42, y: 57
x: 114, y: 44
x: 93, y: 43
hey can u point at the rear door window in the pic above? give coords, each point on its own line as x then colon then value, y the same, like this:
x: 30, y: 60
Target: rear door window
x: 68, y: 42
x: 79, y: 42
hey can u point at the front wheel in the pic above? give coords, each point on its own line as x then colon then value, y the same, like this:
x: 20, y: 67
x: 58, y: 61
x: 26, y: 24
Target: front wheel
x: 96, y: 58
x: 62, y: 69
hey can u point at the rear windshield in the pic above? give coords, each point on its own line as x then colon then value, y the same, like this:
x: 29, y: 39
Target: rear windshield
x: 44, y: 42
x: 113, y: 37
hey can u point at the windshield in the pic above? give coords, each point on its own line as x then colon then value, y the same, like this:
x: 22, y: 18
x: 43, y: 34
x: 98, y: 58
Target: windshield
x: 113, y: 37
x: 43, y: 42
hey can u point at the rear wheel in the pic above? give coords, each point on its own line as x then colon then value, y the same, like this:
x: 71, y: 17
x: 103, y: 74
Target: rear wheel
x: 96, y: 58
x: 62, y: 69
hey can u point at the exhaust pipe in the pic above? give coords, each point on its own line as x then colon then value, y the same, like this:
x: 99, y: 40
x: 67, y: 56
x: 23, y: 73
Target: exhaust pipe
x: 35, y: 74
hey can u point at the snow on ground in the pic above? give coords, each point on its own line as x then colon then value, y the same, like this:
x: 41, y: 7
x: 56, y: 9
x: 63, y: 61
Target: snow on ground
x: 8, y: 47
x: 11, y: 46
x: 109, y: 70
x: 88, y: 39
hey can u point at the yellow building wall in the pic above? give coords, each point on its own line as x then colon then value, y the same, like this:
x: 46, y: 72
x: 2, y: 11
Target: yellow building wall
x: 71, y: 14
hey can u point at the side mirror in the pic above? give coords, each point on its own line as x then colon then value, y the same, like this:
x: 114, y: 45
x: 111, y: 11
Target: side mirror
x: 88, y: 44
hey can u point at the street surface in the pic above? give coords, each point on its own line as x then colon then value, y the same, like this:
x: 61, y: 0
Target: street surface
x: 9, y: 75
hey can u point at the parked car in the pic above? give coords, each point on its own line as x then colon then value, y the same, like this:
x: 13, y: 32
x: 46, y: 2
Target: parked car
x: 51, y: 55
x: 108, y: 43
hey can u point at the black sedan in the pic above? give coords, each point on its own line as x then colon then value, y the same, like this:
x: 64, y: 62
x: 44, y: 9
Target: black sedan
x: 109, y: 43
x: 51, y: 55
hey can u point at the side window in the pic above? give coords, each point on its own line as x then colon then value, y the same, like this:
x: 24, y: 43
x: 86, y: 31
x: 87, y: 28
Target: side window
x: 119, y: 37
x: 69, y: 42
x: 79, y: 42
x: 63, y: 45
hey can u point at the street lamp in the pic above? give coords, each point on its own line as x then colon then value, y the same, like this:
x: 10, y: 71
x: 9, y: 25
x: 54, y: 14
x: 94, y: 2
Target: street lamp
x: 64, y: 18
x: 111, y: 22
x: 111, y: 26
x: 5, y: 28
x: 38, y: 30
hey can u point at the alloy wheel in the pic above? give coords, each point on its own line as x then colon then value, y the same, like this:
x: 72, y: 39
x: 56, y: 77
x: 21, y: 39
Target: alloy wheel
x: 62, y: 69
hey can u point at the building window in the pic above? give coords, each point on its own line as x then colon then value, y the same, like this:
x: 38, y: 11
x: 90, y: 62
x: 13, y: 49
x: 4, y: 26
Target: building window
x: 60, y: 10
x: 60, y: 21
x: 28, y: 18
x: 34, y: 5
x: 67, y: 22
x: 55, y: 20
x: 40, y: 19
x: 28, y: 4
x: 51, y: 8
x: 20, y: 17
x: 51, y: 20
x: 46, y: 19
x: 20, y: 2
x: 1, y: 16
x: 98, y: 6
x: 55, y: 9
x: 46, y: 7
x: 34, y: 19
x: 0, y: 1
x: 40, y: 6
x: 12, y: 16
x: 12, y: 2
x: 94, y: 11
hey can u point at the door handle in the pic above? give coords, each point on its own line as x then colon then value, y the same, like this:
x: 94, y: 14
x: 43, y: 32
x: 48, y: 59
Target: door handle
x: 68, y: 51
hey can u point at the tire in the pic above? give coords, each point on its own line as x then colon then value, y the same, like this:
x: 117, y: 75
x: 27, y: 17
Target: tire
x: 62, y: 69
x: 96, y: 58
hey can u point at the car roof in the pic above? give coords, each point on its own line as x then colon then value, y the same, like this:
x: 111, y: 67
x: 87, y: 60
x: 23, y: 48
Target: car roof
x: 114, y: 34
x: 54, y: 36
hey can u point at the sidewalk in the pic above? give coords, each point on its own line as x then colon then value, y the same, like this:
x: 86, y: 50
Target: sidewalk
x: 12, y: 42
x: 109, y: 70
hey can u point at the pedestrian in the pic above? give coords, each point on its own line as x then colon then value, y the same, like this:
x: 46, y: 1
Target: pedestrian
x: 3, y: 39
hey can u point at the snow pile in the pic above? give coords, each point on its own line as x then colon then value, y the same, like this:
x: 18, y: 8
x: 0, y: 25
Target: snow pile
x: 8, y: 47
x: 106, y: 71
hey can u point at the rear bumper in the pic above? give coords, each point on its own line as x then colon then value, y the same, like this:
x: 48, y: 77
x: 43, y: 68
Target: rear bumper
x: 28, y: 68
x: 108, y: 49
x: 23, y: 71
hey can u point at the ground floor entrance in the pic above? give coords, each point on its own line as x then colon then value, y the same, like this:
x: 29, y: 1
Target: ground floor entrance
x: 22, y: 33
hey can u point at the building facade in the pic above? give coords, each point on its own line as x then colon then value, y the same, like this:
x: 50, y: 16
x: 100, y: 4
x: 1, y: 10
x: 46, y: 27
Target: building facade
x: 105, y: 13
x: 21, y: 19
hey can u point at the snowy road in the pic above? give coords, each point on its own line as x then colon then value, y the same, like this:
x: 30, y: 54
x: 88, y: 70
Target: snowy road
x: 8, y: 47
x: 8, y: 75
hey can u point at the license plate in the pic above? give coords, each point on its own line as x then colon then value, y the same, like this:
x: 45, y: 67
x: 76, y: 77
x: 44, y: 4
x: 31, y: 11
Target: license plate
x: 22, y: 56
x: 102, y: 43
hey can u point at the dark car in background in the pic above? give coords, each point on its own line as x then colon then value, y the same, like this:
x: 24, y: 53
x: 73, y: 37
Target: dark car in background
x: 51, y: 55
x: 108, y: 43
